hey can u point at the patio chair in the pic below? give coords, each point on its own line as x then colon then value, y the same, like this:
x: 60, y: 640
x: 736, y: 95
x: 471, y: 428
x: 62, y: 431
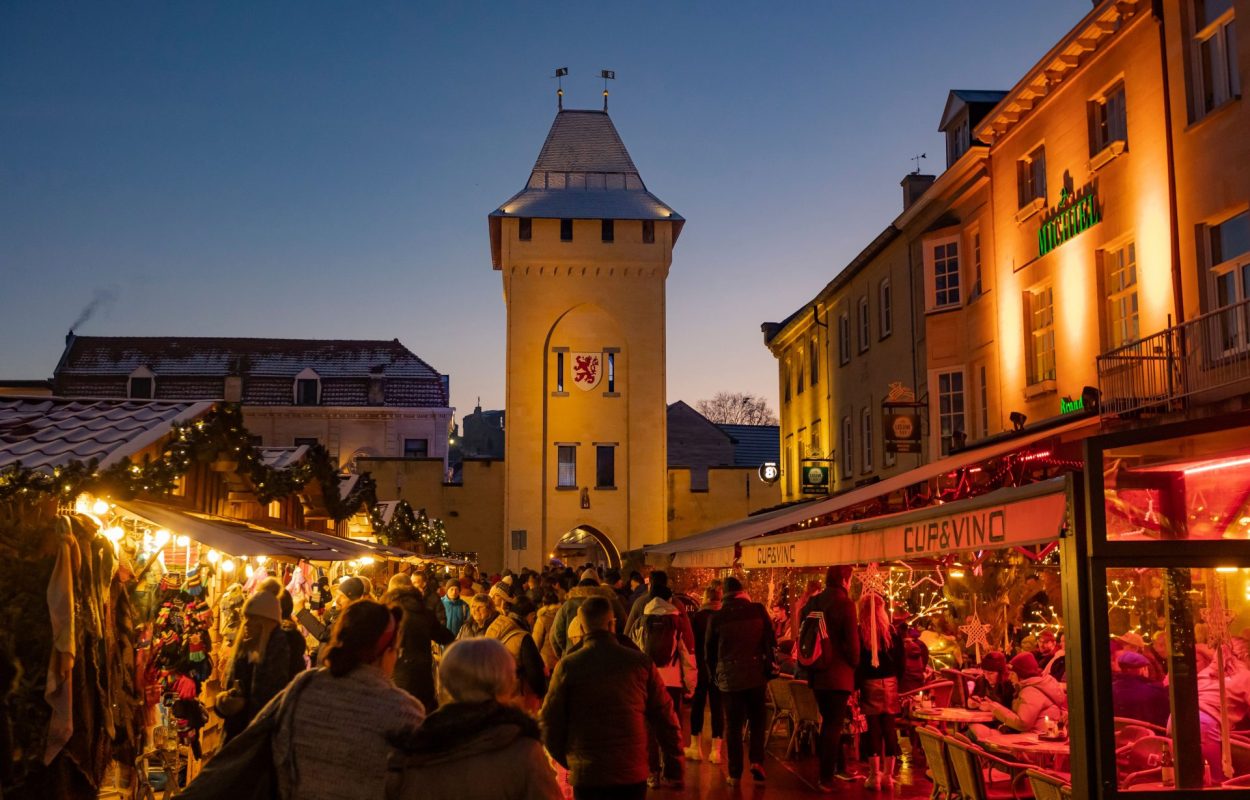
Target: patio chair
x: 1145, y: 753
x: 1049, y: 785
x: 1152, y: 775
x: 959, y: 687
x: 1121, y: 722
x: 783, y: 707
x: 940, y: 773
x: 974, y: 769
x: 1241, y: 781
x: 938, y: 691
x: 806, y: 717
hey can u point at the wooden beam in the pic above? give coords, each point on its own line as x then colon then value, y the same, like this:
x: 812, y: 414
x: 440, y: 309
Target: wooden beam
x: 1069, y: 61
x: 1087, y: 43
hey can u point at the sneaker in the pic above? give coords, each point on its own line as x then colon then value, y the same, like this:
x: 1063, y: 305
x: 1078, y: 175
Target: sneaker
x: 653, y: 781
x: 757, y: 773
x: 731, y: 781
x: 715, y: 756
x: 693, y: 753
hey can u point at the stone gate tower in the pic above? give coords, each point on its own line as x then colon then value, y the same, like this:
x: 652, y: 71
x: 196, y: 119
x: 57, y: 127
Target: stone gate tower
x: 584, y: 250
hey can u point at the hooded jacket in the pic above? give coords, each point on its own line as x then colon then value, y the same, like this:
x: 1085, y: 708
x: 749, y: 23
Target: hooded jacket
x: 740, y: 644
x: 682, y: 672
x: 414, y: 669
x: 473, y: 751
x: 568, y: 612
x: 1037, y: 698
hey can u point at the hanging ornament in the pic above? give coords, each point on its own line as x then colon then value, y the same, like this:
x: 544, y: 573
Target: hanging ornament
x: 976, y: 634
x: 1216, y: 615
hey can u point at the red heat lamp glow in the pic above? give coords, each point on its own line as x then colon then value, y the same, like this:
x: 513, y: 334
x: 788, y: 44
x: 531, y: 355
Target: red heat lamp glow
x: 1236, y: 462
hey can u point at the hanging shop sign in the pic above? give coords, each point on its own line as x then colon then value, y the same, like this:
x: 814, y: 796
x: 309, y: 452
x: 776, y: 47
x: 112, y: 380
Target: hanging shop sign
x: 815, y: 478
x: 1076, y: 213
x: 902, y: 427
x: 979, y: 524
x: 769, y: 472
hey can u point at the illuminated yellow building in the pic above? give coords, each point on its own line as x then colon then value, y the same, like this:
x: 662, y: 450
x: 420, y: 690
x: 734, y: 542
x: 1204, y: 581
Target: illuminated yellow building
x: 584, y: 251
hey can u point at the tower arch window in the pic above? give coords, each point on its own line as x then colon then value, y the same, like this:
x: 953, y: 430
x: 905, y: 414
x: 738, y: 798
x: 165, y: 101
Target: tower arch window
x: 307, y: 388
x: 141, y: 384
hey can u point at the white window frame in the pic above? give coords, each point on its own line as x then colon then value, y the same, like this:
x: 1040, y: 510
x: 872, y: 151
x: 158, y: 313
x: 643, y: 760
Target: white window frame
x: 848, y: 449
x: 865, y: 435
x: 931, y: 276
x: 561, y: 482
x: 1041, y: 330
x: 865, y: 325
x: 1120, y: 282
x: 942, y: 433
x: 844, y: 338
x: 885, y: 308
x: 1234, y: 330
x: 306, y: 374
x: 141, y: 372
x: 1221, y: 35
x: 1108, y: 120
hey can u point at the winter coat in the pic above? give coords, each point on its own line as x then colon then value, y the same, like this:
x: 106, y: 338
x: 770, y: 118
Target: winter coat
x: 542, y: 635
x: 843, y: 632
x: 473, y: 751
x: 889, y: 659
x: 455, y: 612
x: 513, y: 636
x: 682, y: 672
x: 1138, y: 697
x: 261, y: 681
x: 568, y: 612
x: 1037, y: 698
x: 414, y: 669
x: 602, y: 701
x: 740, y: 644
x: 698, y: 624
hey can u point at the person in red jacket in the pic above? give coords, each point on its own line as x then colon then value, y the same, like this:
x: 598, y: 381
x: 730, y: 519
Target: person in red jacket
x: 833, y: 685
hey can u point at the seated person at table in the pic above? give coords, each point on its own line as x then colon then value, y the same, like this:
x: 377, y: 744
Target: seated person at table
x: 994, y: 682
x: 1134, y: 694
x: 1038, y: 697
x: 1236, y: 694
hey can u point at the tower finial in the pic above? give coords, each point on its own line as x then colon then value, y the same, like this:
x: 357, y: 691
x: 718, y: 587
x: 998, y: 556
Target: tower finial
x: 560, y: 73
x: 607, y: 75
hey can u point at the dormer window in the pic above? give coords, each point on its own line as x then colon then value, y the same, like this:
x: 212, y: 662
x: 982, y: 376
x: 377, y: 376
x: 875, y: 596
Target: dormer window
x: 141, y: 385
x: 308, y: 388
x: 958, y: 139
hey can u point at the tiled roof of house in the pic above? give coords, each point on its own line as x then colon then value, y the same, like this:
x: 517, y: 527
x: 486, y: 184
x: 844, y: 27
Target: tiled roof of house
x: 47, y: 432
x: 584, y: 172
x: 754, y: 444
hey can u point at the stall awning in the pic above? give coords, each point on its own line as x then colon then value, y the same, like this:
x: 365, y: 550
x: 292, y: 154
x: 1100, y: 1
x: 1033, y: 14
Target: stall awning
x: 240, y: 538
x: 1014, y: 517
x: 717, y: 544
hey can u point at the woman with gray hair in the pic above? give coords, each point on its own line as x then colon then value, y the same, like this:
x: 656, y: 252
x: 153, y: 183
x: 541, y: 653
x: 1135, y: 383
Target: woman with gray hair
x: 476, y: 746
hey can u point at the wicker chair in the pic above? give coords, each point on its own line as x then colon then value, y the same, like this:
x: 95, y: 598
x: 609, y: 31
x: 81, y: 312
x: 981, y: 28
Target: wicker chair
x: 1049, y: 785
x: 974, y: 769
x: 939, y: 691
x: 1122, y: 722
x: 806, y: 717
x: 1145, y: 753
x: 783, y: 707
x: 940, y: 772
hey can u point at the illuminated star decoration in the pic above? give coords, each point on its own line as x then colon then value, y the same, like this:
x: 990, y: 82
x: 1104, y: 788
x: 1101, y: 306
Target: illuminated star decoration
x: 976, y: 634
x: 873, y: 581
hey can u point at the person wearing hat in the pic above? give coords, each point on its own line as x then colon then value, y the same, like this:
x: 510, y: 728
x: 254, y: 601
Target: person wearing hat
x: 589, y: 586
x: 419, y: 630
x: 259, y: 667
x: 1038, y: 697
x: 1134, y: 694
x: 1134, y: 642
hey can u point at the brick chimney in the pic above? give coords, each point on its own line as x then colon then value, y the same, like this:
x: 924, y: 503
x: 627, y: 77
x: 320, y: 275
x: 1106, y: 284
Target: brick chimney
x: 914, y: 184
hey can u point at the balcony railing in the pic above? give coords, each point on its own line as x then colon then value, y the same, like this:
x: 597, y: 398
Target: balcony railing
x: 1164, y: 371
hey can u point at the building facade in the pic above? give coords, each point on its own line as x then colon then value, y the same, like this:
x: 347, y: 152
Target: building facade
x: 584, y: 251
x: 357, y: 398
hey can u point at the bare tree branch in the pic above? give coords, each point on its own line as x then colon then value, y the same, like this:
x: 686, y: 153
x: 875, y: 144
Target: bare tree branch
x: 737, y: 408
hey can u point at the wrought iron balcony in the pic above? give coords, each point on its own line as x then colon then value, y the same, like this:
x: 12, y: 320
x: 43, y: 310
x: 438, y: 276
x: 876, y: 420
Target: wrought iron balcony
x: 1203, y: 359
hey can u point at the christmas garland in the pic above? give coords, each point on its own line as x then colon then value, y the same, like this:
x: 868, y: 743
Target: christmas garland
x: 407, y: 527
x: 218, y: 434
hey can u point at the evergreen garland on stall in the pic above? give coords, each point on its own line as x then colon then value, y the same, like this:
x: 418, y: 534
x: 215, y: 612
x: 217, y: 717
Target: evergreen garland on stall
x: 411, y: 528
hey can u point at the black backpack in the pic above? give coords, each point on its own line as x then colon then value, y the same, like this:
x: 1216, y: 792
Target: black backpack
x: 658, y: 634
x: 815, y: 649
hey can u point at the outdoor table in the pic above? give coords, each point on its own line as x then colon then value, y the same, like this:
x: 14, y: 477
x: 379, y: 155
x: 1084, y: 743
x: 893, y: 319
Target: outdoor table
x: 1028, y: 744
x: 952, y: 716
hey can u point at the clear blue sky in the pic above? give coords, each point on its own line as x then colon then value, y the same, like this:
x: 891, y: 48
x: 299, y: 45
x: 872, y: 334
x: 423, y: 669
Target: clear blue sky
x: 313, y: 169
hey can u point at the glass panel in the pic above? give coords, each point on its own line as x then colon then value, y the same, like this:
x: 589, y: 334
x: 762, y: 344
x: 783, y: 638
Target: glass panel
x: 1180, y: 675
x: 1205, y: 11
x: 1230, y: 238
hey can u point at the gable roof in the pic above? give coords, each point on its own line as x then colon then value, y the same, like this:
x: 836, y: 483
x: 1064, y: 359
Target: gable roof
x: 221, y: 357
x: 682, y: 407
x: 980, y: 101
x: 754, y: 444
x: 48, y: 432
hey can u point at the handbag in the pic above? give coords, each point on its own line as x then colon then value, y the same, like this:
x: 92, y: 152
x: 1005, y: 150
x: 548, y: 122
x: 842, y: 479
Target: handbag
x: 230, y: 703
x: 244, y: 768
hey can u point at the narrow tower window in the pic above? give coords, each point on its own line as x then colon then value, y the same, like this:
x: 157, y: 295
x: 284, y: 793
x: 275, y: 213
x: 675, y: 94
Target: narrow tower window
x: 648, y: 231
x: 560, y: 371
x: 608, y: 230
x: 526, y: 229
x: 566, y: 230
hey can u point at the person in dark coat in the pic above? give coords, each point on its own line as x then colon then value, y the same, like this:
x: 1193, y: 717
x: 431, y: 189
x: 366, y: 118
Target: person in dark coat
x: 601, y: 702
x: 261, y: 664
x: 1134, y: 694
x: 414, y: 669
x: 705, y: 691
x: 740, y: 647
x: 834, y: 684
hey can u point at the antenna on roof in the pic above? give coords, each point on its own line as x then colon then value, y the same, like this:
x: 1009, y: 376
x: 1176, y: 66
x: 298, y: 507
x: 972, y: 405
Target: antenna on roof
x: 607, y: 75
x: 560, y: 73
x: 916, y: 171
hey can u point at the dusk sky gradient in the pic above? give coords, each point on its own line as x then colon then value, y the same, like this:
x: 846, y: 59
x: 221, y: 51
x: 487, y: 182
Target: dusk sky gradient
x: 324, y: 170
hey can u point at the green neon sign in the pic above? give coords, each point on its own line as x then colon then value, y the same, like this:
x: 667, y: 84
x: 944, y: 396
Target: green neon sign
x: 1076, y: 213
x: 1067, y: 405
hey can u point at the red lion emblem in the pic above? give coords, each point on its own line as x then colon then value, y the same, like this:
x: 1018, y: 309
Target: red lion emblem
x: 585, y: 369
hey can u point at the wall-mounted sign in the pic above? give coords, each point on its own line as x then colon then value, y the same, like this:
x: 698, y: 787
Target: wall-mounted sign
x: 769, y: 472
x: 1069, y: 406
x: 902, y: 427
x: 1076, y: 213
x: 815, y: 478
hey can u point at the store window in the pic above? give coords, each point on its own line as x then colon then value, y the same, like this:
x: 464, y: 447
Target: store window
x: 566, y: 476
x: 865, y: 435
x: 844, y: 339
x: 1214, y: 53
x: 1228, y: 253
x: 885, y: 309
x: 1041, y: 308
x: 945, y: 260
x: 1120, y: 279
x: 950, y: 407
x: 848, y: 452
x: 605, y: 466
x: 865, y: 325
x: 1031, y: 177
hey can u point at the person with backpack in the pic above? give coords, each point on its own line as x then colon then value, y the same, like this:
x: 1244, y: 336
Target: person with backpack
x: 705, y: 691
x: 741, y: 649
x: 829, y: 652
x: 665, y: 635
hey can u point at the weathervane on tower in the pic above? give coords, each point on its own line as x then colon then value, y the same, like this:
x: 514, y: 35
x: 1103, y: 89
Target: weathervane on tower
x: 607, y: 75
x: 559, y: 76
